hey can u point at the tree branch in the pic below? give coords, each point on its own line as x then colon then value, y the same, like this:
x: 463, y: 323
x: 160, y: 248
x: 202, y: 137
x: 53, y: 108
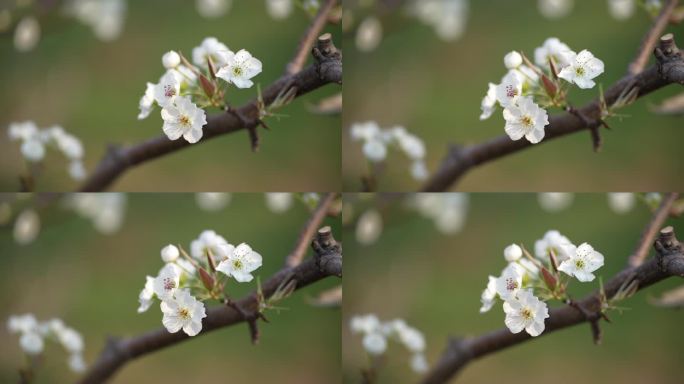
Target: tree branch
x: 328, y: 252
x: 326, y: 69
x: 118, y: 352
x: 309, y: 230
x: 651, y: 230
x: 669, y: 261
x: 651, y: 39
x: 309, y: 38
x: 669, y: 69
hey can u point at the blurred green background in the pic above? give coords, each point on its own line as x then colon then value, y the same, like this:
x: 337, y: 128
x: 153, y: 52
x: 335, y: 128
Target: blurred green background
x: 92, y: 282
x: 434, y: 89
x: 434, y: 282
x: 92, y: 89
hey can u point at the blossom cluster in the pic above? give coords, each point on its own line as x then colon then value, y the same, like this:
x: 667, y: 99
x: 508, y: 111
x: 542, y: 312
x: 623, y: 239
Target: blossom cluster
x: 33, y: 334
x: 618, y: 9
x: 105, y: 17
x: 185, y: 84
x: 527, y: 89
x: 376, y: 334
x: 447, y: 17
x: 376, y: 141
x: 106, y: 210
x: 447, y: 210
x: 527, y: 282
x: 185, y: 281
x: 34, y: 142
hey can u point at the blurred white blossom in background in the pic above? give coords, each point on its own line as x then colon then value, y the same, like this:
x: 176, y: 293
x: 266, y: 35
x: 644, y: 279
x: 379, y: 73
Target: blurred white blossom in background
x: 279, y: 9
x: 105, y: 210
x: 105, y: 17
x: 621, y: 202
x: 27, y: 34
x: 213, y: 8
x: 448, y: 210
x: 278, y: 202
x: 555, y: 9
x: 555, y: 201
x: 26, y: 227
x: 212, y: 201
x: 368, y: 34
x: 369, y: 227
x: 447, y: 17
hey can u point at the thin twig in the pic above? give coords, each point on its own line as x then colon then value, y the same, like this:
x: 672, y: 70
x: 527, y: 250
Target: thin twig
x: 651, y: 230
x: 651, y: 39
x: 309, y: 38
x: 309, y: 230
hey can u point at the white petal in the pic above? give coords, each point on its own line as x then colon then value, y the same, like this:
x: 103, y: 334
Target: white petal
x: 192, y: 328
x: 173, y: 131
x: 535, y: 328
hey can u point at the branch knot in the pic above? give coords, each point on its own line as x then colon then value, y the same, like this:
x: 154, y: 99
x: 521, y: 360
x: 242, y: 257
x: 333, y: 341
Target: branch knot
x: 328, y: 59
x: 669, y: 60
x: 328, y: 252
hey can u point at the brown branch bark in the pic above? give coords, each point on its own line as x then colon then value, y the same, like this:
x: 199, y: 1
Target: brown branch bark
x: 651, y: 39
x: 326, y: 69
x: 651, y: 230
x: 309, y: 230
x: 118, y: 352
x: 309, y: 38
x: 669, y: 69
x: 669, y: 261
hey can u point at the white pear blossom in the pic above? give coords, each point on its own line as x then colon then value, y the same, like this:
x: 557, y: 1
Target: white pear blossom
x: 510, y: 282
x: 513, y: 60
x: 556, y: 50
x: 183, y: 118
x: 240, y: 263
x: 239, y: 68
x: 209, y: 242
x: 105, y: 210
x: 77, y: 170
x: 555, y: 9
x: 447, y: 210
x: 22, y: 323
x: 447, y: 17
x: 513, y: 253
x: 582, y: 70
x: 553, y: 241
x: 525, y: 119
x: 555, y: 201
x: 583, y: 261
x: 488, y: 104
x: 170, y: 253
x: 31, y: 343
x: 525, y: 312
x: 146, y: 103
x: 76, y: 363
x: 166, y: 283
x: 365, y: 323
x: 210, y: 47
x: 183, y: 311
x: 171, y: 59
x: 488, y: 297
x: 105, y: 17
x: 279, y: 9
x: 375, y: 150
x: 419, y: 170
x: 621, y: 202
x: 509, y: 90
x: 167, y: 89
x: 70, y: 339
x: 278, y: 202
x: 146, y: 295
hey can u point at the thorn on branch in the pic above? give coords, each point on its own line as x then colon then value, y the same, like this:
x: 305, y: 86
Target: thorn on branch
x: 250, y: 317
x: 328, y: 59
x: 327, y: 252
x: 592, y: 317
x: 669, y: 60
x: 249, y: 124
x: 592, y: 124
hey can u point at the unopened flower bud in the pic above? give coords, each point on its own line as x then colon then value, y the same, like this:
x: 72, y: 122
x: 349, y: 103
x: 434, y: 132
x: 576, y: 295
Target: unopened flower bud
x: 171, y: 59
x: 512, y: 60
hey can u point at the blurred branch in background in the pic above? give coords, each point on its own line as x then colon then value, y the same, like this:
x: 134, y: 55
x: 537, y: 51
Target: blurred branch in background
x: 326, y: 69
x: 668, y: 262
x: 326, y: 261
x: 668, y: 69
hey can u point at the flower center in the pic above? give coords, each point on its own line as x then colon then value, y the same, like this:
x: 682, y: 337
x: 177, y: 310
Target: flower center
x: 169, y: 91
x: 169, y: 284
x: 237, y: 264
x: 579, y: 71
x: 526, y: 120
x: 526, y: 313
x: 184, y: 120
x: 579, y: 263
x: 184, y: 314
x: 511, y: 284
x: 511, y: 91
x: 237, y: 71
